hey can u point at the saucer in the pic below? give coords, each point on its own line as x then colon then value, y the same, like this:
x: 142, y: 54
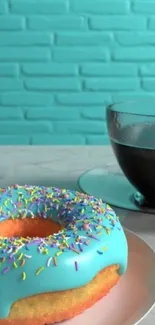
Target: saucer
x: 112, y: 186
x: 134, y: 295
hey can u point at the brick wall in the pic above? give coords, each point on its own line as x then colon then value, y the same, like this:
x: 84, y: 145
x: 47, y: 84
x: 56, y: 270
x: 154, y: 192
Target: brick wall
x: 60, y: 60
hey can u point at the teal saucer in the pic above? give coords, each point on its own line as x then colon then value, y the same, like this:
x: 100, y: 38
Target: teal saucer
x: 113, y: 188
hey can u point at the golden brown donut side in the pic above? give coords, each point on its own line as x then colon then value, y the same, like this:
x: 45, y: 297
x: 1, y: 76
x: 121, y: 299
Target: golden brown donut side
x: 59, y: 306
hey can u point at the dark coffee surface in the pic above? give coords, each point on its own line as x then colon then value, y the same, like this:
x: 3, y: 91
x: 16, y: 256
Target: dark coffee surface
x: 135, y: 152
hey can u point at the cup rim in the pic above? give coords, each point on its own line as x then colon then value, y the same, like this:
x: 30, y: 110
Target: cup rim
x: 110, y: 107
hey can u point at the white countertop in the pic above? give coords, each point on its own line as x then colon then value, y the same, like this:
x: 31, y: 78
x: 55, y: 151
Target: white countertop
x: 62, y: 166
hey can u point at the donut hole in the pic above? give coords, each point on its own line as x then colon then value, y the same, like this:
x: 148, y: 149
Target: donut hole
x: 28, y: 227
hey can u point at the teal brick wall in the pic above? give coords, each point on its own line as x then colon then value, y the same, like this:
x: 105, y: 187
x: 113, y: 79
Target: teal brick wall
x: 61, y: 60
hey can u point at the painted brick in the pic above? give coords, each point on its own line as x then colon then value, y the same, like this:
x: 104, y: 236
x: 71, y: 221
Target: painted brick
x: 10, y: 113
x: 25, y: 98
x: 98, y: 140
x: 12, y: 23
x: 25, y: 38
x: 54, y: 113
x: 118, y: 23
x: 9, y: 69
x: 152, y: 23
x: 3, y: 7
x: 107, y: 46
x: 100, y: 7
x: 109, y: 70
x: 149, y: 84
x: 135, y: 54
x: 80, y: 54
x: 93, y: 112
x: 52, y: 84
x: 85, y: 98
x: 50, y: 69
x: 84, y: 39
x: 81, y: 127
x: 11, y: 84
x: 14, y: 140
x: 144, y: 38
x: 40, y: 7
x: 57, y: 140
x: 131, y: 96
x: 25, y: 128
x: 56, y: 23
x: 144, y: 7
x: 24, y: 54
x: 112, y: 84
x: 147, y: 69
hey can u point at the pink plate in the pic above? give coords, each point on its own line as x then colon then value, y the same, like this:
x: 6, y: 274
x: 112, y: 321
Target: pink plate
x: 131, y: 299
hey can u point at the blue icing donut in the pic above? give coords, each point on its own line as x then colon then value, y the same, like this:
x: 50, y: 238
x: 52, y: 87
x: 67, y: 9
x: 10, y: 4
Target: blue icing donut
x: 92, y: 239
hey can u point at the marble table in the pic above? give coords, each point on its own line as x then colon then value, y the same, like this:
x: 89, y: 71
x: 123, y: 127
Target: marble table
x: 62, y: 166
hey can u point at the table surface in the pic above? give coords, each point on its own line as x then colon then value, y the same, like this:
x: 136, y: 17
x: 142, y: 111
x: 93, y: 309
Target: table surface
x: 62, y: 166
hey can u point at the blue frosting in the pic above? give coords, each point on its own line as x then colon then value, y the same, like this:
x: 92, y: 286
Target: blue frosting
x: 91, y: 240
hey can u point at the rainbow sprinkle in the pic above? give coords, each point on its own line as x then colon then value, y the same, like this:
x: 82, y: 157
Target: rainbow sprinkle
x: 82, y: 218
x: 22, y: 262
x: 15, y: 265
x: 23, y: 276
x: 99, y: 252
x: 6, y: 270
x: 49, y: 261
x: 54, y: 261
x: 40, y: 270
x: 76, y: 266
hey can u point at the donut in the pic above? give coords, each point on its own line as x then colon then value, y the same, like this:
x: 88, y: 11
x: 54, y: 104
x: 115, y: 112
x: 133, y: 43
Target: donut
x: 60, y: 252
